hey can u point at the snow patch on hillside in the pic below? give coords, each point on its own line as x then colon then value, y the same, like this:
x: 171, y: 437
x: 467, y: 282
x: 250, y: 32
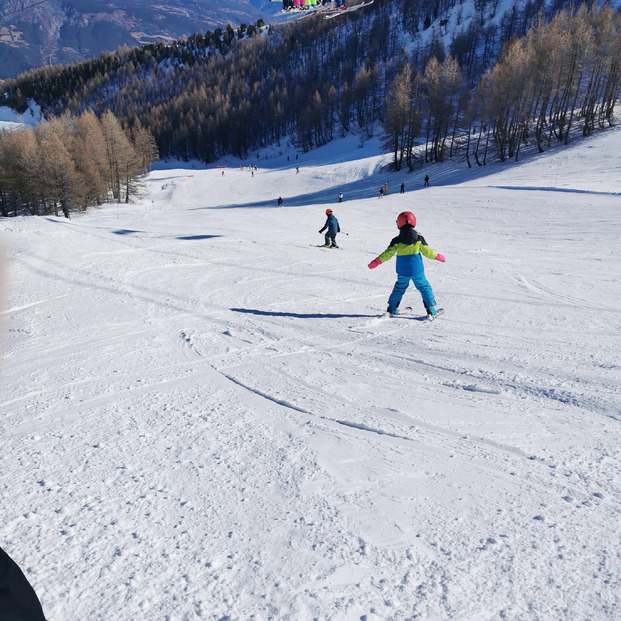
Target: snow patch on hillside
x: 9, y: 119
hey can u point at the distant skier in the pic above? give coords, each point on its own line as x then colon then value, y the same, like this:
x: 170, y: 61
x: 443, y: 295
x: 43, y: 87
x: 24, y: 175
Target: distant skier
x: 426, y: 180
x: 409, y: 245
x: 402, y: 188
x: 385, y: 189
x: 340, y: 197
x: 331, y: 227
x: 381, y: 192
x: 280, y: 201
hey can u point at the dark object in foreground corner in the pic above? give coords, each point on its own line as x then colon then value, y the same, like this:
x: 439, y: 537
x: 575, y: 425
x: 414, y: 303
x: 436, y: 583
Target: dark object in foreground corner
x: 18, y: 601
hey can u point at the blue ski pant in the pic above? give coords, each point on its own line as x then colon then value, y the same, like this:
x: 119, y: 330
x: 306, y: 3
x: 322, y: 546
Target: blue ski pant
x: 420, y: 282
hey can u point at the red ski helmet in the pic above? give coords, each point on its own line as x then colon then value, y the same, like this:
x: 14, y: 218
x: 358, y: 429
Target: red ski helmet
x: 328, y: 212
x: 406, y: 217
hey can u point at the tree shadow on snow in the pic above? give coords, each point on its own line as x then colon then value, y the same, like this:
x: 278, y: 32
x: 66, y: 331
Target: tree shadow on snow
x: 535, y: 188
x: 254, y: 311
x: 197, y: 237
x: 316, y: 198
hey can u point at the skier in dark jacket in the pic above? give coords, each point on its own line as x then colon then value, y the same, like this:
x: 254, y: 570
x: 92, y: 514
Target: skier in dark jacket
x: 409, y: 246
x: 331, y: 227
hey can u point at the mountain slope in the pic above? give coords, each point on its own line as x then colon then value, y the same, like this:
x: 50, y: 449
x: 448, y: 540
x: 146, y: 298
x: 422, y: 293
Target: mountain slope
x: 56, y: 32
x: 204, y: 416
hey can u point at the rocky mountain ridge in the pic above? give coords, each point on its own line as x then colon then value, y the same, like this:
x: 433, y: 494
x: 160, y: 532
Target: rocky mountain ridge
x: 52, y: 32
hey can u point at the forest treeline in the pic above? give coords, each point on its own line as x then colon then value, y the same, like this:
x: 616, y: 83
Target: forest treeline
x: 531, y: 77
x: 561, y: 73
x: 70, y: 163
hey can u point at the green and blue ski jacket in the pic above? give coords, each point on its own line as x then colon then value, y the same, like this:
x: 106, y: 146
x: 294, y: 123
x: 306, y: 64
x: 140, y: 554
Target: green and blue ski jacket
x: 409, y: 246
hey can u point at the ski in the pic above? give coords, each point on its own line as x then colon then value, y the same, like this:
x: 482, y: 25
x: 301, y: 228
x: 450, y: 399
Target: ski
x: 408, y: 313
x: 313, y: 11
x: 340, y: 11
x: 326, y: 247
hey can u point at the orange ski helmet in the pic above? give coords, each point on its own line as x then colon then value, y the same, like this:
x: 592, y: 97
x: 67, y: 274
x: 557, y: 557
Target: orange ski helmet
x: 328, y: 212
x: 406, y: 217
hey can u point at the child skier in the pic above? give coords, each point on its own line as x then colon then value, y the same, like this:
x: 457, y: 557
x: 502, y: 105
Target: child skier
x: 332, y: 228
x: 409, y: 245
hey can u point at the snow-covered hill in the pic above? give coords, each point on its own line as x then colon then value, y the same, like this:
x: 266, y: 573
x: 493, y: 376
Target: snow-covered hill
x: 204, y: 416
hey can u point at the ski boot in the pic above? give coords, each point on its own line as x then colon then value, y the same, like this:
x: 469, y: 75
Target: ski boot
x: 393, y: 312
x: 431, y: 310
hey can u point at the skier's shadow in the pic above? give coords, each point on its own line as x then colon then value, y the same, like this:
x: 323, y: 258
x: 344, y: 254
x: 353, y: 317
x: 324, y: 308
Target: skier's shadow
x: 254, y: 311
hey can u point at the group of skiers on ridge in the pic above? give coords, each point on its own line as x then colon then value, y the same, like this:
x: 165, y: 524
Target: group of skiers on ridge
x: 409, y: 245
x: 307, y: 4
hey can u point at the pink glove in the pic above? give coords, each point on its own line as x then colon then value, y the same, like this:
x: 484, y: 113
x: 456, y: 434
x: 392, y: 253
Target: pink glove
x: 440, y: 257
x: 374, y: 264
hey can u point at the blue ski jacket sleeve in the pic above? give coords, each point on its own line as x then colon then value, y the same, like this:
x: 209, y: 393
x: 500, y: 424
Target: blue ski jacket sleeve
x: 332, y: 225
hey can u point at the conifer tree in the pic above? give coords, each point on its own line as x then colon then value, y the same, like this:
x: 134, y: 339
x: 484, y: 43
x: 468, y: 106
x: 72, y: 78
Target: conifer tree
x: 122, y: 163
x: 398, y: 116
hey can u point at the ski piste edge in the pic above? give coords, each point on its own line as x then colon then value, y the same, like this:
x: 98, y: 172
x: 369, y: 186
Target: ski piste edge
x: 337, y: 12
x: 408, y: 313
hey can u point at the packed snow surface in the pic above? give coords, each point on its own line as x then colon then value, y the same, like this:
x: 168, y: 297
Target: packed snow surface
x: 203, y: 415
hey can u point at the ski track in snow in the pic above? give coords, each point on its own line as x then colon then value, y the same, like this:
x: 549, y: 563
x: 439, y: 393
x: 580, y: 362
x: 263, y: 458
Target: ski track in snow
x: 202, y: 416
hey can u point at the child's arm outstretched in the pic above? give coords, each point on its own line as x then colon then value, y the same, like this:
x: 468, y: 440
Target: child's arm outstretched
x: 390, y: 251
x: 387, y: 254
x: 428, y: 252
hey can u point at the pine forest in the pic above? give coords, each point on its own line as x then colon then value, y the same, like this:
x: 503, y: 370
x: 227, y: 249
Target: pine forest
x: 530, y: 79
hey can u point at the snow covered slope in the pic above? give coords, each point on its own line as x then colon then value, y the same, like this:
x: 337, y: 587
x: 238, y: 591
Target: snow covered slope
x: 11, y: 120
x: 202, y: 416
